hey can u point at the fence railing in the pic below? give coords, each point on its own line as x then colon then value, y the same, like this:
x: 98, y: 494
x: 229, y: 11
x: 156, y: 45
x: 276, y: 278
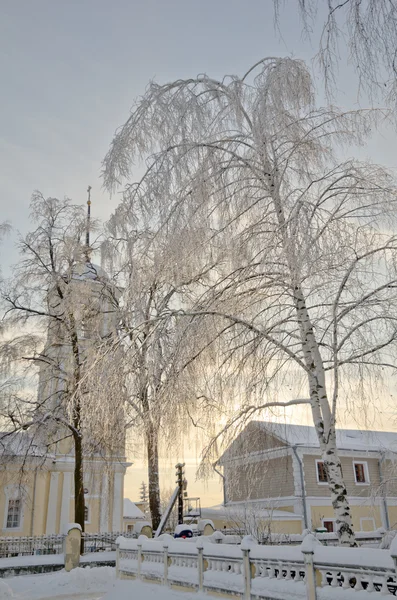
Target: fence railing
x: 251, y: 570
x: 53, y: 544
x: 28, y: 546
x: 101, y: 542
x: 365, y: 538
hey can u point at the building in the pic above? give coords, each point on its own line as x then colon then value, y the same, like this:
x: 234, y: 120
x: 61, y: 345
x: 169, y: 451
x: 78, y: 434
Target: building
x: 132, y: 514
x: 37, y: 468
x: 278, y: 467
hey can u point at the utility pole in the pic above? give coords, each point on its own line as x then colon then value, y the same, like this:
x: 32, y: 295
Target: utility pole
x: 182, y: 484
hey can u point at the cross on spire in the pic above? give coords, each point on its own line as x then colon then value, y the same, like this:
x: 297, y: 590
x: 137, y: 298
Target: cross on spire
x: 87, y: 233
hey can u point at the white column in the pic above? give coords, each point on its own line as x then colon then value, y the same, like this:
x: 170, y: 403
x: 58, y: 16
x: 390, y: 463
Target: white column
x: 52, y: 504
x: 66, y: 495
x: 117, y: 502
x: 104, y: 514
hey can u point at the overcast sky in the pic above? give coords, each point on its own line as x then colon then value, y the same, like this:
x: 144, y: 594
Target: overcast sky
x: 70, y: 70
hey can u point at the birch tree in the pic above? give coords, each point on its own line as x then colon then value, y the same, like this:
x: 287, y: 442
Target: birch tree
x: 54, y: 305
x: 160, y: 265
x: 310, y: 279
x: 363, y: 32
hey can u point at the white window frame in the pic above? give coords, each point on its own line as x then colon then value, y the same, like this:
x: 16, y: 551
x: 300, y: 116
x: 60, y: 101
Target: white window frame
x: 332, y: 521
x: 366, y: 472
x: 367, y: 519
x: 13, y: 492
x: 319, y: 460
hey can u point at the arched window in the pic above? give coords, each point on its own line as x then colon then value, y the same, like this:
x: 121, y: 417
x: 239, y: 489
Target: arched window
x: 86, y: 514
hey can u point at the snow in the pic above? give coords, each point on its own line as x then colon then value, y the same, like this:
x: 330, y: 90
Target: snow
x: 139, y: 526
x: 182, y: 527
x: 131, y: 511
x: 21, y: 443
x: 89, y: 271
x: 86, y: 584
x: 352, y: 557
x: 71, y: 526
x: 31, y: 561
x: 346, y: 439
x: 201, y: 525
x: 53, y: 559
x: 82, y: 581
x: 233, y: 511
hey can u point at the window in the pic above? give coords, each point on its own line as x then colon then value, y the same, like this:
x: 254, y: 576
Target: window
x: 321, y: 472
x: 361, y: 472
x: 86, y: 514
x: 329, y: 525
x: 367, y: 524
x: 14, y: 513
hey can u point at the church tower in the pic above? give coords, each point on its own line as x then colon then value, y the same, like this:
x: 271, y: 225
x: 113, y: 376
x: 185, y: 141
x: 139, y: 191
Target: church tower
x: 84, y: 303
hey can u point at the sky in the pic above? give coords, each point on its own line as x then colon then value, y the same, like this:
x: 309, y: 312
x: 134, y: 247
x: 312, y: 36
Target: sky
x: 70, y: 71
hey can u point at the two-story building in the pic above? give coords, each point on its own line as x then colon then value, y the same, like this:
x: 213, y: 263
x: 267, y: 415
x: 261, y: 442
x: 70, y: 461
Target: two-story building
x: 278, y: 467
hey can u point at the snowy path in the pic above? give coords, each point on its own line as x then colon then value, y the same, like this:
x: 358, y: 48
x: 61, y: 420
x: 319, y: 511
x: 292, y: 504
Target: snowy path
x: 85, y: 584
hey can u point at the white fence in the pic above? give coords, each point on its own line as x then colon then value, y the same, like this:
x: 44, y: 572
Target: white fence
x: 364, y: 538
x: 310, y: 571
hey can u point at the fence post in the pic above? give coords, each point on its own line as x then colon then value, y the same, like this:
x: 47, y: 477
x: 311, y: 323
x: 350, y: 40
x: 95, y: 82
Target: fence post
x: 118, y: 541
x: 200, y: 564
x: 393, y: 552
x: 72, y: 546
x: 246, y: 573
x: 307, y: 549
x: 139, y: 561
x: 165, y: 576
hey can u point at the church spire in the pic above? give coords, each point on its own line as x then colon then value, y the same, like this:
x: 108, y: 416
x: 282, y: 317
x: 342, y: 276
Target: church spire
x: 87, y: 233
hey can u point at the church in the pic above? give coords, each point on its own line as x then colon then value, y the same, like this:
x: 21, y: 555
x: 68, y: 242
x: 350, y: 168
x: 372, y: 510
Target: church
x: 37, y: 471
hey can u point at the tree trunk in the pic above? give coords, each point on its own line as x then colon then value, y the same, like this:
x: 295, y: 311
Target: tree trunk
x: 79, y: 504
x: 324, y: 420
x: 153, y: 476
x: 338, y: 491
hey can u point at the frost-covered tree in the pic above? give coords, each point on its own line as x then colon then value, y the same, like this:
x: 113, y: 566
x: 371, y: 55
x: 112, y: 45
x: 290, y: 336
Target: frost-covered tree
x: 160, y: 264
x: 363, y: 32
x: 310, y: 276
x: 60, y: 312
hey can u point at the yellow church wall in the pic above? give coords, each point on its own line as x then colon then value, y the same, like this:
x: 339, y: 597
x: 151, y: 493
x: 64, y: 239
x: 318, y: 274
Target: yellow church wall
x: 286, y: 526
x: 41, y: 502
x: 37, y: 493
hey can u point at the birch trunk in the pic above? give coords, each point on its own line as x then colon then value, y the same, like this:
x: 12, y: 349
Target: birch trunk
x: 324, y: 422
x: 323, y: 419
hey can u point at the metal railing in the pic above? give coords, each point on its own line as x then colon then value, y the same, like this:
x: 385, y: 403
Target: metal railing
x: 103, y: 542
x: 28, y: 546
x: 53, y: 544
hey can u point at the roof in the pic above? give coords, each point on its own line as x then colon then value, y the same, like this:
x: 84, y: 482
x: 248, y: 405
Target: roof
x: 89, y: 271
x: 131, y: 511
x: 346, y: 439
x: 21, y: 443
x: 244, y: 510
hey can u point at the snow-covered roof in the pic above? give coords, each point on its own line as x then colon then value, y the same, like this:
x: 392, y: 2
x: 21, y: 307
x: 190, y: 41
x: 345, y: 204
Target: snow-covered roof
x: 131, y: 511
x: 346, y: 439
x: 243, y: 510
x: 90, y: 271
x: 20, y: 443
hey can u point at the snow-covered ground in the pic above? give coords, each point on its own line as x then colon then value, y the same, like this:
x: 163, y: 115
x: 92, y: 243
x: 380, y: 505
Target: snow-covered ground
x: 85, y: 584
